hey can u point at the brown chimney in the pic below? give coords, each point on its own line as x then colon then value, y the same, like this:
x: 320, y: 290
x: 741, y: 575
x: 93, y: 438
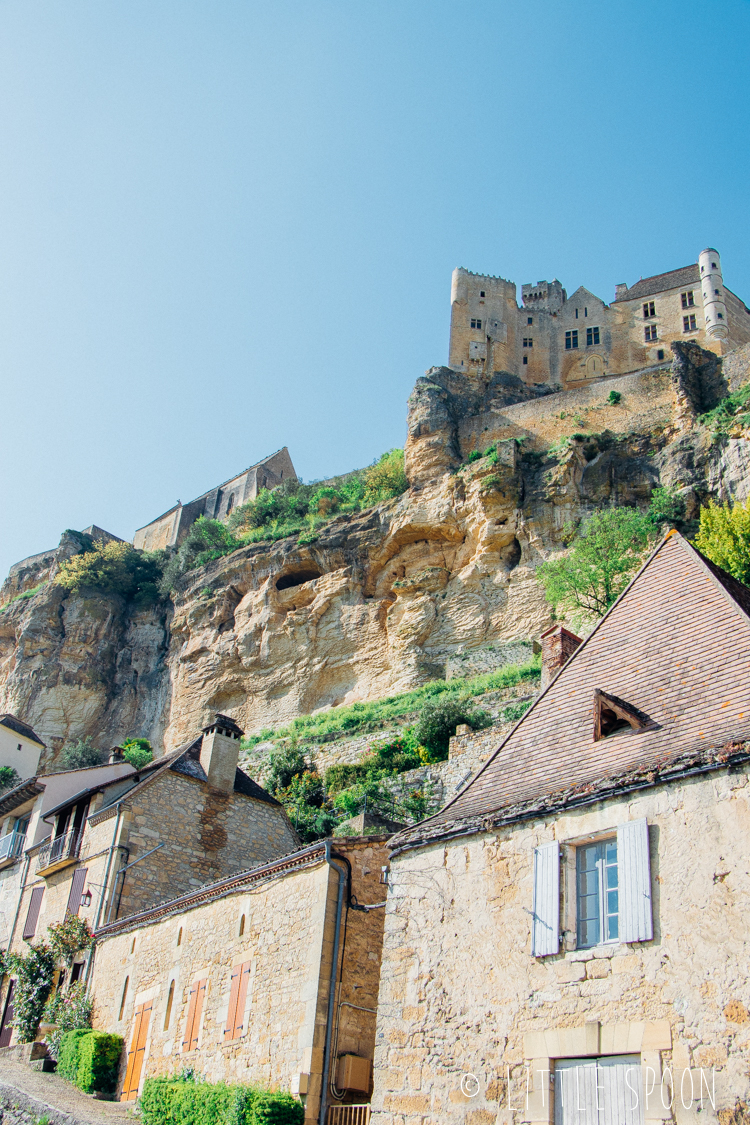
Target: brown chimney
x: 558, y: 645
x: 116, y: 755
x: 220, y: 751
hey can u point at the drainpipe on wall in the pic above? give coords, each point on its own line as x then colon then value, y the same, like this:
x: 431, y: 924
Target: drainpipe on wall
x: 112, y: 849
x: 27, y: 862
x: 343, y: 876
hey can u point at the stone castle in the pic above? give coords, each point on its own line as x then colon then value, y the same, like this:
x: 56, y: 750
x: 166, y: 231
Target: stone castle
x: 566, y: 341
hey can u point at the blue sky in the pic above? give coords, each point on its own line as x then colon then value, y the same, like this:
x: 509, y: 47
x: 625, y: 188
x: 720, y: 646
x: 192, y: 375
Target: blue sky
x: 230, y: 226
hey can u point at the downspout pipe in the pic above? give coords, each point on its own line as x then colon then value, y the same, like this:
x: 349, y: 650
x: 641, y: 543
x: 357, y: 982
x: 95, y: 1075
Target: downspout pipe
x: 343, y: 878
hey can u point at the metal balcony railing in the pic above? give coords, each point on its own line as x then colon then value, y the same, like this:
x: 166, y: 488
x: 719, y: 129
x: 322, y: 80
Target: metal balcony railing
x: 56, y: 853
x: 11, y: 845
x: 348, y: 1115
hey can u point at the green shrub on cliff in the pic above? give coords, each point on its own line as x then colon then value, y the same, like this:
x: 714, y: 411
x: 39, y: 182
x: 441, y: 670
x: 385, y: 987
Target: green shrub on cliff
x: 438, y: 720
x: 731, y: 411
x: 115, y: 568
x: 79, y: 755
x: 724, y: 538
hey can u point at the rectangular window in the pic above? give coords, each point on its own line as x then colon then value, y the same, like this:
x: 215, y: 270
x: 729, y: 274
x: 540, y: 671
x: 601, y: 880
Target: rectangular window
x: 528, y: 342
x: 687, y: 299
x: 648, y: 310
x: 525, y: 359
x: 529, y: 320
x: 571, y: 339
x: 32, y: 916
x: 597, y: 897
x: 688, y: 323
x: 237, y: 998
x: 475, y: 323
x: 592, y: 336
x: 650, y: 332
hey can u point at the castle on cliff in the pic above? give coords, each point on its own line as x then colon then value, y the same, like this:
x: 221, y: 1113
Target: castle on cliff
x: 566, y: 341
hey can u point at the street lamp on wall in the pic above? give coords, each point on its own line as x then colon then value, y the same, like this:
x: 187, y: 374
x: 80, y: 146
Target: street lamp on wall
x: 86, y: 898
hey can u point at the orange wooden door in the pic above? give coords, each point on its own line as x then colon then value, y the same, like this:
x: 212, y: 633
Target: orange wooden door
x: 136, y: 1053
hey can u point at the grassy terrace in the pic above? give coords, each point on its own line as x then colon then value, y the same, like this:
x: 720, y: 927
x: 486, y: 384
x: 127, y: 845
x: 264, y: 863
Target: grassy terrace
x: 360, y: 718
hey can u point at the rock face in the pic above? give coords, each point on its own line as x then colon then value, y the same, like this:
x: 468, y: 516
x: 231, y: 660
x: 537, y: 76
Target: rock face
x: 386, y: 598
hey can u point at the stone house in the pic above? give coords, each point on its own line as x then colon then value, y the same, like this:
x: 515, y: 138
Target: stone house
x: 269, y: 976
x: 567, y: 341
x: 20, y: 747
x: 119, y: 841
x: 567, y: 939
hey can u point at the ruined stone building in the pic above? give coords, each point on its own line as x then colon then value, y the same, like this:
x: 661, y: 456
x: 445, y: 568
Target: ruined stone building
x: 564, y: 341
x: 269, y: 976
x: 566, y: 941
x: 113, y: 841
x: 170, y: 529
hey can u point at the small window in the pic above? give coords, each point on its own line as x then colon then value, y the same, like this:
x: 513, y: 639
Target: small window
x: 76, y: 972
x: 720, y: 316
x: 660, y: 353
x: 124, y: 997
x: 481, y: 294
x: 168, y: 1013
x: 714, y: 266
x: 592, y: 337
x: 716, y: 291
x: 242, y: 926
x: 20, y: 746
x: 650, y: 332
x: 230, y: 503
x: 597, y: 897
x: 649, y: 309
x: 528, y: 342
x: 132, y: 946
x: 571, y: 340
x: 687, y: 299
x: 475, y: 323
x: 525, y: 359
x: 576, y: 314
x: 179, y: 936
x: 688, y: 323
x: 585, y: 312
x: 529, y: 320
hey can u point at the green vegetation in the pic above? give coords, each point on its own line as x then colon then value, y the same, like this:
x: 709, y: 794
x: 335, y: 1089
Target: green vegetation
x: 9, y: 778
x: 23, y: 596
x: 69, y: 938
x: 438, y: 720
x: 614, y: 397
x: 137, y: 751
x: 730, y: 412
x: 724, y: 538
x: 34, y: 976
x: 69, y: 1011
x: 79, y: 755
x: 115, y: 568
x: 359, y: 718
x: 90, y: 1059
x: 188, y: 1101
x: 605, y: 555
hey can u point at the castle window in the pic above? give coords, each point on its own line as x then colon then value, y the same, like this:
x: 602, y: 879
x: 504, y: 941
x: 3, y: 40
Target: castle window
x: 592, y: 336
x: 650, y: 332
x: 716, y: 291
x: 721, y: 316
x: 168, y: 1013
x: 528, y: 342
x: 649, y: 309
x: 585, y: 312
x: 660, y: 353
x: 571, y: 340
x: 688, y: 323
x: 475, y: 323
x: 714, y: 266
x: 688, y: 300
x: 576, y: 314
x: 481, y: 294
x: 525, y: 359
x: 529, y: 320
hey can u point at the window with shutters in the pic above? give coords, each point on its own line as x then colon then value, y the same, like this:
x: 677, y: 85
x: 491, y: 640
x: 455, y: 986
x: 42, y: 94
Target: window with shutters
x: 195, y: 1011
x: 237, y: 1000
x: 32, y: 915
x: 77, y: 884
x: 599, y: 1091
x: 596, y: 893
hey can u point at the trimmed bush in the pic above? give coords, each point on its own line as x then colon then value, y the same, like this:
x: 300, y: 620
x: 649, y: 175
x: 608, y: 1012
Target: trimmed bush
x: 90, y: 1059
x: 183, y: 1101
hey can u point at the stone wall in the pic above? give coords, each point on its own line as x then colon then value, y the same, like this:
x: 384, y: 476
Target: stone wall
x: 283, y: 926
x: 461, y: 993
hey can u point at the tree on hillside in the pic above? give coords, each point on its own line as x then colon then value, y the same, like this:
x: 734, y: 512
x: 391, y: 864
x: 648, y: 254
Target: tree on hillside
x: 724, y: 538
x: 80, y: 754
x: 114, y: 568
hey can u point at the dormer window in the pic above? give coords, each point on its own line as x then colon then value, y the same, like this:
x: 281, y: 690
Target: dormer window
x: 612, y: 714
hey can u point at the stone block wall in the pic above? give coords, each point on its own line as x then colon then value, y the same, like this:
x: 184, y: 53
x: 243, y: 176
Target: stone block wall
x: 462, y: 995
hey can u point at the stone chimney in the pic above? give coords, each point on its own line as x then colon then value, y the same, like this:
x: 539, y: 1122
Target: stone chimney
x: 220, y: 750
x: 558, y: 645
x: 116, y: 755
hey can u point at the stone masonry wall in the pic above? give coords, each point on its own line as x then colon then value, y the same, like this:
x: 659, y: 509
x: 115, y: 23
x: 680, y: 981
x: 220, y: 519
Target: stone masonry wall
x: 461, y: 993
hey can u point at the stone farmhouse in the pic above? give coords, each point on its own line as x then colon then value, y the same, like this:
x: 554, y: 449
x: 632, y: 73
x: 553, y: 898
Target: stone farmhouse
x: 566, y: 941
x: 170, y: 529
x: 268, y: 976
x: 112, y: 841
x: 565, y: 342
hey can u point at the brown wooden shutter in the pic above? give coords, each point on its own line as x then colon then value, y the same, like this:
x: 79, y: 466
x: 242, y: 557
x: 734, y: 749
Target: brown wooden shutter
x: 195, y: 1008
x: 76, y: 890
x: 136, y: 1053
x: 32, y: 916
x: 237, y: 998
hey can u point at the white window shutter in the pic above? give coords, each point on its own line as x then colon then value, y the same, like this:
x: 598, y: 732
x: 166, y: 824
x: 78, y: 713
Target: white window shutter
x: 634, y: 881
x: 545, y: 926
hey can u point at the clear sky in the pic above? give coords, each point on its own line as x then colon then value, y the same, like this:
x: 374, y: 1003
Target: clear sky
x: 228, y: 226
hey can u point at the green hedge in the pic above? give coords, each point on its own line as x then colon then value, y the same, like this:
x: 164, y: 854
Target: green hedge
x: 170, y: 1101
x: 90, y: 1059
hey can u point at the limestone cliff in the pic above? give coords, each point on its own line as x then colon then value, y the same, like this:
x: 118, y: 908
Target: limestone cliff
x: 388, y: 597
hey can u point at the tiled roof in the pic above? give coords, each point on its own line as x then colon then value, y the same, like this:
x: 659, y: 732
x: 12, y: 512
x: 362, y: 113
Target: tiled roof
x: 676, y: 645
x: 20, y: 728
x: 22, y: 793
x: 674, y: 279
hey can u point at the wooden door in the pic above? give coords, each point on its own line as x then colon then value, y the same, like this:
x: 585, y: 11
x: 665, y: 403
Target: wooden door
x: 137, y: 1052
x: 6, y: 1028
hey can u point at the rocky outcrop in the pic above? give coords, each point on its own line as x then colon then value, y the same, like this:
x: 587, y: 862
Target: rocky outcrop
x: 386, y: 598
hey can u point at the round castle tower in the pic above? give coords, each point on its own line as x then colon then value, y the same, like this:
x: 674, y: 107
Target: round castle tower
x: 712, y: 287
